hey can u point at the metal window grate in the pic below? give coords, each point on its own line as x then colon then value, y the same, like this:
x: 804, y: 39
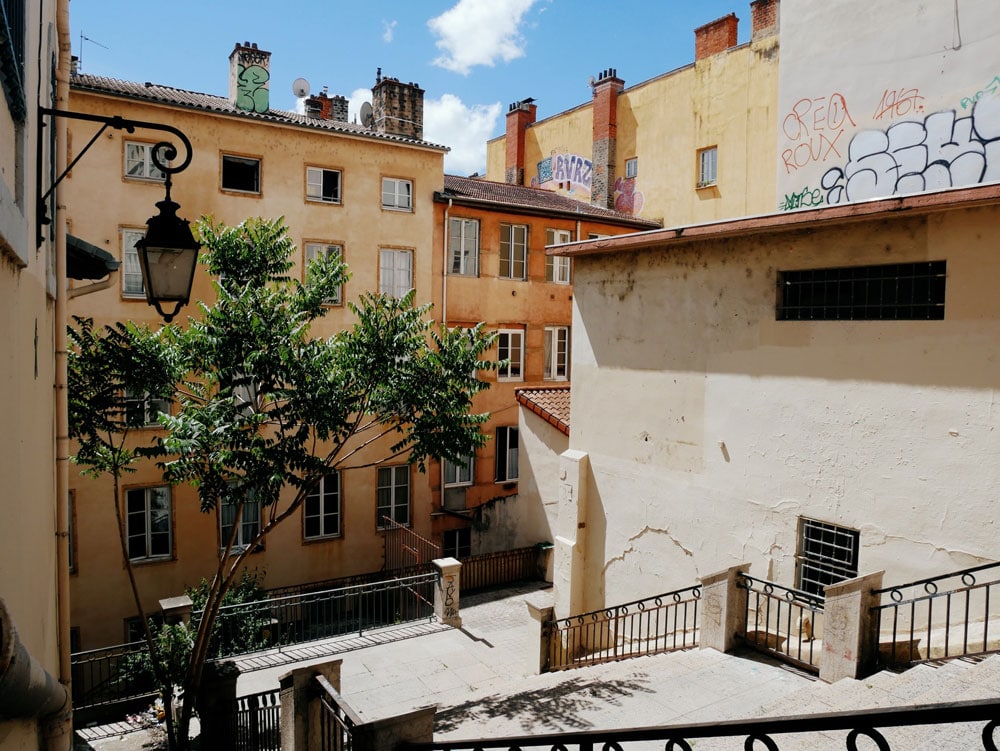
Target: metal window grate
x: 895, y: 291
x: 12, y: 45
x: 826, y: 554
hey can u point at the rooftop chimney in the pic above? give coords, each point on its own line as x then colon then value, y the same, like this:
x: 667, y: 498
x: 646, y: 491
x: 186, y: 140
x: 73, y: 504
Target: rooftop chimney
x: 763, y: 18
x: 249, y: 78
x: 717, y: 36
x: 519, y: 116
x: 607, y: 87
x: 397, y: 108
x: 325, y: 107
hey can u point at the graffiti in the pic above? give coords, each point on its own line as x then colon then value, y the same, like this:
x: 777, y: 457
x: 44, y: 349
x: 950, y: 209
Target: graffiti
x: 805, y: 198
x: 898, y: 103
x: 569, y: 172
x: 449, y: 591
x: 628, y: 200
x: 814, y: 126
x: 991, y: 88
x: 912, y: 156
x: 251, y: 82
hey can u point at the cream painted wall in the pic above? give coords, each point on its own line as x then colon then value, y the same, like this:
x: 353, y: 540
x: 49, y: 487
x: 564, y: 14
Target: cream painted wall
x: 711, y: 427
x: 885, y: 98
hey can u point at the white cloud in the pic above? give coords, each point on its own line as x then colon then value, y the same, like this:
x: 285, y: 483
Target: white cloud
x: 354, y: 101
x: 479, y: 32
x: 465, y: 129
x: 388, y: 30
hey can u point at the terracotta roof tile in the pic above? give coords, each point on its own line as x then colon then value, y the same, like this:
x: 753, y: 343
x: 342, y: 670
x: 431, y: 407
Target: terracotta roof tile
x: 550, y: 403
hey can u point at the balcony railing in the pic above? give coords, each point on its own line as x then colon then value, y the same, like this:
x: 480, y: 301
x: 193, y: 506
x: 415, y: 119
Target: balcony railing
x: 499, y: 569
x: 337, y: 721
x: 257, y: 722
x: 783, y: 622
x: 111, y: 675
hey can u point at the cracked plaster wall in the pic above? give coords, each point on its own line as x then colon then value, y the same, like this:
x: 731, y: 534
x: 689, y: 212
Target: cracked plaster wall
x: 711, y: 427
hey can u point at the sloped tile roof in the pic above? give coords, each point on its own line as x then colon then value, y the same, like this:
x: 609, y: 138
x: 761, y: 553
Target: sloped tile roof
x: 151, y: 92
x: 477, y: 191
x: 550, y: 403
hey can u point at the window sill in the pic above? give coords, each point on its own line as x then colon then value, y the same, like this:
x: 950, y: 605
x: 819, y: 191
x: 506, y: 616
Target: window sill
x: 152, y: 560
x: 238, y: 192
x: 702, y: 186
x: 146, y: 180
x: 322, y: 538
x: 323, y: 202
x: 397, y: 209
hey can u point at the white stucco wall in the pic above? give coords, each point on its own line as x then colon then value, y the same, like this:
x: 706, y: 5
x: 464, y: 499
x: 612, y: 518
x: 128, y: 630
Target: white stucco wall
x: 883, y: 98
x: 711, y: 427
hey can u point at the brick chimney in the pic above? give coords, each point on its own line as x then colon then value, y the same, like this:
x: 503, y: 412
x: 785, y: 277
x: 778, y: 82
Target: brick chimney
x: 763, y: 18
x: 715, y: 37
x: 519, y: 116
x: 607, y: 87
x: 324, y: 107
x: 249, y: 78
x: 397, y: 108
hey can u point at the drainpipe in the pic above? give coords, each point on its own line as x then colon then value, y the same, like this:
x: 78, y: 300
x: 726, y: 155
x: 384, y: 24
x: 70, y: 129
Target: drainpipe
x: 444, y: 300
x: 27, y: 690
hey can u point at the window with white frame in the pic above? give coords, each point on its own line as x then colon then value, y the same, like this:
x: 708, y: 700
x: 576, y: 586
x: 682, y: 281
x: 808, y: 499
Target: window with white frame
x: 240, y: 173
x: 131, y: 271
x: 510, y: 347
x: 142, y: 409
x: 147, y: 523
x: 631, y: 167
x: 322, y: 185
x: 395, y: 272
x: 506, y: 454
x: 556, y: 353
x: 557, y: 267
x: 513, y: 251
x: 249, y: 526
x: 708, y: 166
x: 825, y: 554
x: 457, y: 480
x: 323, y: 250
x: 393, y: 495
x: 457, y: 543
x: 397, y: 194
x: 322, y: 508
x: 139, y: 161
x: 463, y: 246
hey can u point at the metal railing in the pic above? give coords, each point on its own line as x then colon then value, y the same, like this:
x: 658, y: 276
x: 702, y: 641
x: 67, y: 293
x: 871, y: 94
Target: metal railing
x: 664, y: 623
x: 499, y: 569
x: 404, y: 548
x: 746, y: 733
x: 111, y: 675
x: 783, y: 622
x: 257, y: 722
x: 337, y: 720
x: 939, y: 618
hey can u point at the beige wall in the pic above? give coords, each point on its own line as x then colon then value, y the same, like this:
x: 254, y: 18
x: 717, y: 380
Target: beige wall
x: 711, y: 427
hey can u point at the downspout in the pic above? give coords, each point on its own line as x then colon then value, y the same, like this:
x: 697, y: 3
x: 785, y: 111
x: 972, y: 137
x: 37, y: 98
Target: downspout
x: 444, y: 299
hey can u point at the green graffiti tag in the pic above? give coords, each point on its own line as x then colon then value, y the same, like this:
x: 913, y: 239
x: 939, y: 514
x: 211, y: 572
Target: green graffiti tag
x: 251, y: 95
x: 991, y: 88
x: 805, y: 198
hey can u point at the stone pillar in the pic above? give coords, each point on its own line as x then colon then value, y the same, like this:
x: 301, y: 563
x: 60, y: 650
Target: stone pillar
x: 569, y: 576
x: 544, y: 614
x: 447, y: 592
x: 296, y: 691
x: 386, y: 734
x: 723, y: 608
x: 176, y: 609
x: 848, y: 647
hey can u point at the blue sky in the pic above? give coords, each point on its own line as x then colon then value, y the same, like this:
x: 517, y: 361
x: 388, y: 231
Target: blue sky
x: 472, y: 57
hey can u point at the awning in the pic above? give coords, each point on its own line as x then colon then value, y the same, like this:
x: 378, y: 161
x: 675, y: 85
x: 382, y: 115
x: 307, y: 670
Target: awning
x: 86, y: 261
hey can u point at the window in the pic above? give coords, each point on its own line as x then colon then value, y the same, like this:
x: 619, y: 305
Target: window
x: 596, y: 236
x: 322, y: 185
x: 131, y: 272
x: 510, y: 346
x: 631, y: 167
x: 463, y: 247
x: 556, y: 353
x: 395, y: 273
x: 895, y: 291
x: 318, y: 250
x: 12, y: 41
x: 506, y: 457
x: 147, y: 523
x: 135, y: 632
x: 141, y: 409
x: 825, y: 554
x: 322, y: 510
x: 394, y: 495
x: 241, y: 174
x: 708, y: 166
x: 455, y: 474
x: 457, y: 543
x: 557, y: 267
x: 139, y: 161
x: 513, y: 251
x: 397, y: 194
x: 249, y: 524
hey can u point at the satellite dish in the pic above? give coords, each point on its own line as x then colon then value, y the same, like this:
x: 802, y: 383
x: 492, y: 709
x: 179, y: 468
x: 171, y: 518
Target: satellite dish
x: 366, y: 114
x: 300, y: 87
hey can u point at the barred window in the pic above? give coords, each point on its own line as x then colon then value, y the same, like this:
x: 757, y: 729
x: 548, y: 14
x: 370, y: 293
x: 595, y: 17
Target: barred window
x: 826, y: 554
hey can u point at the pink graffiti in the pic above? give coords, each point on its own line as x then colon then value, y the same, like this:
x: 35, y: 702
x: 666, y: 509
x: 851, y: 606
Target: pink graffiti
x: 898, y: 102
x: 628, y: 200
x: 814, y: 126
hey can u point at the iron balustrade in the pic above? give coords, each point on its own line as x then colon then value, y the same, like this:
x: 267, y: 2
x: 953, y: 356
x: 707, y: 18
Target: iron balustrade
x: 404, y: 548
x: 664, y: 623
x: 782, y: 621
x: 257, y: 722
x: 111, y: 675
x: 488, y: 570
x: 337, y: 721
x: 950, y: 623
x: 856, y: 724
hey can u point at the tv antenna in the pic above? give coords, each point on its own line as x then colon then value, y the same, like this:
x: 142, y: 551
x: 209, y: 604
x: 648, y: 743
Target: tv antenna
x: 300, y: 87
x: 79, y: 59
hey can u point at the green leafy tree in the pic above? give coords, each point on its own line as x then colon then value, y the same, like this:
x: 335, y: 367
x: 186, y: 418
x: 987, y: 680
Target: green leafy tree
x: 266, y: 409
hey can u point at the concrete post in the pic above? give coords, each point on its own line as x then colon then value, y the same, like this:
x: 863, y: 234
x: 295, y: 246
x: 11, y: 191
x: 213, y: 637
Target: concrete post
x: 848, y: 649
x: 299, y: 715
x: 176, y: 609
x: 217, y: 704
x: 569, y: 575
x: 544, y: 614
x: 723, y: 608
x: 386, y: 734
x: 446, y: 594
